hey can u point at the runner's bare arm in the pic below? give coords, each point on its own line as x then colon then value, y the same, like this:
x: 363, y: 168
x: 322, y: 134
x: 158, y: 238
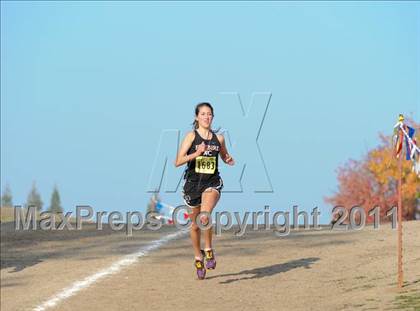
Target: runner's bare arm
x: 226, y: 157
x: 182, y: 156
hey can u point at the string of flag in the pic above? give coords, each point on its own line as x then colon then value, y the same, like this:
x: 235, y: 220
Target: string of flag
x: 165, y: 211
x: 406, y: 134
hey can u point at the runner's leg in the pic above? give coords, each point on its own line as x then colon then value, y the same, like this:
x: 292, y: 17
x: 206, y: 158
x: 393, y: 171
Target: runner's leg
x: 195, y: 233
x: 209, y: 199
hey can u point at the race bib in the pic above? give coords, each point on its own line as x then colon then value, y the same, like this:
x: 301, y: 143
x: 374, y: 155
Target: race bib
x: 205, y: 165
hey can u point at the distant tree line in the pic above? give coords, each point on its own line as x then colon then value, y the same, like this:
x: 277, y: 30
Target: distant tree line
x: 34, y: 199
x: 372, y: 181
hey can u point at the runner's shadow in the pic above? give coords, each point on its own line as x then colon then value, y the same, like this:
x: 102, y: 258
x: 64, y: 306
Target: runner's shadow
x: 269, y: 270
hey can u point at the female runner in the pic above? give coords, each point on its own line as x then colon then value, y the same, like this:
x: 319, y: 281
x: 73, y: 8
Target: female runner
x: 200, y: 150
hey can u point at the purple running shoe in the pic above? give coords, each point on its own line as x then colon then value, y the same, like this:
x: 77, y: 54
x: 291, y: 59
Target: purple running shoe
x: 210, y: 260
x: 201, y: 270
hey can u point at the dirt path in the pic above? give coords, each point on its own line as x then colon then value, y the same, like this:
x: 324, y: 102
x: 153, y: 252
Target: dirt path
x: 308, y: 270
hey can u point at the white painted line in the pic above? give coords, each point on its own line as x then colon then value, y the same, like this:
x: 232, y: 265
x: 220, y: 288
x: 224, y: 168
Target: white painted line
x: 114, y: 268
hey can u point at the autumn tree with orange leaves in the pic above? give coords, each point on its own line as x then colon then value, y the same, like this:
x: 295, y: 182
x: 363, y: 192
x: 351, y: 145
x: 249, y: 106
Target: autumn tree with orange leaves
x: 372, y: 181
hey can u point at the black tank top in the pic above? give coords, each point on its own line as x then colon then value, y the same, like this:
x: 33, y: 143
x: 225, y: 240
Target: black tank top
x: 206, y: 166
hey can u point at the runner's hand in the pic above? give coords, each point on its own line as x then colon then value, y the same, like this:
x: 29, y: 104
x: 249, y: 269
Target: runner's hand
x: 229, y: 160
x: 201, y: 148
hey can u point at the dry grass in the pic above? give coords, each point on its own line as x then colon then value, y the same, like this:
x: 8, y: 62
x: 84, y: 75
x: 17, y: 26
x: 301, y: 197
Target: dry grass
x: 7, y: 214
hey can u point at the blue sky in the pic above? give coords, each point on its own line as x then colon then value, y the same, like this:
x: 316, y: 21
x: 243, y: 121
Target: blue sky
x: 88, y: 88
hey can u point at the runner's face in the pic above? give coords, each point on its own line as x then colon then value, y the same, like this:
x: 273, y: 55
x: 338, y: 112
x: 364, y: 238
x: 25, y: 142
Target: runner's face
x: 205, y: 117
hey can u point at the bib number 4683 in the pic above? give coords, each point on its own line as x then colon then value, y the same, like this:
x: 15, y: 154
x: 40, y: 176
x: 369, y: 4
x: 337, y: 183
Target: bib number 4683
x: 205, y: 165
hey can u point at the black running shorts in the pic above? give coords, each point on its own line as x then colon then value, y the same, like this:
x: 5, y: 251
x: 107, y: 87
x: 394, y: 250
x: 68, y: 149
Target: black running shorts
x: 193, y: 190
